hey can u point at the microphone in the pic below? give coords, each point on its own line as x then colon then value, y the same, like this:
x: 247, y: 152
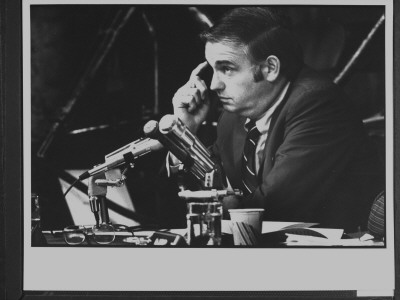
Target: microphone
x: 125, y: 154
x: 151, y: 130
x: 181, y: 137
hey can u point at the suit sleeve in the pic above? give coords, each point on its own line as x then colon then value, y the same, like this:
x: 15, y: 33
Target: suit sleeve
x: 319, y: 138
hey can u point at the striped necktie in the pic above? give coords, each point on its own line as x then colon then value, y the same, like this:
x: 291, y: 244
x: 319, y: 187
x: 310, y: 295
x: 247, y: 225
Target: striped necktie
x: 249, y: 176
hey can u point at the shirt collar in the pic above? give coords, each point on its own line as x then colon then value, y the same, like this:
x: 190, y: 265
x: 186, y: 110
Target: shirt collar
x: 263, y: 122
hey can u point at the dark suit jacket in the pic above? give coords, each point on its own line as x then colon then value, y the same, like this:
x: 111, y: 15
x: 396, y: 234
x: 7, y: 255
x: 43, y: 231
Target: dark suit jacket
x: 318, y: 164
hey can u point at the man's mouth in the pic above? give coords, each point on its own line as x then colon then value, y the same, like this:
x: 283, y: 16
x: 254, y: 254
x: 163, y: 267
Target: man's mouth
x: 223, y: 98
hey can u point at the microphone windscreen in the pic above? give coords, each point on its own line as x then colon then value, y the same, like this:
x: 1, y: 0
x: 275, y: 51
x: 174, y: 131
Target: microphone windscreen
x: 150, y: 129
x: 167, y: 123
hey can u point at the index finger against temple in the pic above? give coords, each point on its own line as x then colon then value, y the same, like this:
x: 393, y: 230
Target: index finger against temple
x: 198, y: 69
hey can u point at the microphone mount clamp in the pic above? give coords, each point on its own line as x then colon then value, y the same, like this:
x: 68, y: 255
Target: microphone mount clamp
x: 114, y: 182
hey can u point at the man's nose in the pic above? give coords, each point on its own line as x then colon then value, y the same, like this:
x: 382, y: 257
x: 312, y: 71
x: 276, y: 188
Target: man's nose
x: 216, y: 83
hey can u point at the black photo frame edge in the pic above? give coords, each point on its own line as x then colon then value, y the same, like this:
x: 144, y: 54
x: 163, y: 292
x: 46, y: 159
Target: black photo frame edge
x: 11, y: 188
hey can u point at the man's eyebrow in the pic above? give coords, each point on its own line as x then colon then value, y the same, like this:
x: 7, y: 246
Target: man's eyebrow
x: 224, y: 62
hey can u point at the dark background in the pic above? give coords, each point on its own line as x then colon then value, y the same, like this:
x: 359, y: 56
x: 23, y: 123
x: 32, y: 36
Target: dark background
x: 121, y: 95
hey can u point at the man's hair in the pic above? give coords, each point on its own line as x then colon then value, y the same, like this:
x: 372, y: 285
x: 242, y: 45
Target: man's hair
x: 263, y: 32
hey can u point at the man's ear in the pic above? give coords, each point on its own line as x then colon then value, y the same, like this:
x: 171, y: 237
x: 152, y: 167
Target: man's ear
x: 271, y: 68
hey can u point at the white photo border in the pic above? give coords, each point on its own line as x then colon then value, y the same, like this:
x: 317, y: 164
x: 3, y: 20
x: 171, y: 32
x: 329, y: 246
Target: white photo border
x: 170, y: 269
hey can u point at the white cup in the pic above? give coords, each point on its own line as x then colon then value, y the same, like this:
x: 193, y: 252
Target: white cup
x: 248, y: 216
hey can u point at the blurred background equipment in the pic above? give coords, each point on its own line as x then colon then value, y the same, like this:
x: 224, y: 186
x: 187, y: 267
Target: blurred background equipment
x: 100, y: 72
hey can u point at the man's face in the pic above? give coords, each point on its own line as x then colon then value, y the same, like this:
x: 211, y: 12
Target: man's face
x: 233, y: 81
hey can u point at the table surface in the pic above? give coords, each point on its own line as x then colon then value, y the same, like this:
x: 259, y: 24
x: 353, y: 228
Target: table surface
x: 274, y: 234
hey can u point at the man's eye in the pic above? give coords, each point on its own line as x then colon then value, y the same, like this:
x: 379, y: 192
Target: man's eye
x: 227, y: 70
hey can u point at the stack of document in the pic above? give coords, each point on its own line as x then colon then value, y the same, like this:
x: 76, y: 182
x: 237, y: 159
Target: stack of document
x: 303, y: 234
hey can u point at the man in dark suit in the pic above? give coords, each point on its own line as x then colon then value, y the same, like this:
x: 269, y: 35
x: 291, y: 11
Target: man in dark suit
x: 311, y: 160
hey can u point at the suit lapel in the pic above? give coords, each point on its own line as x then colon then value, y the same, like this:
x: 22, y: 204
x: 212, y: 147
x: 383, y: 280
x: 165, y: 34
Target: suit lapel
x: 239, y: 138
x: 275, y: 130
